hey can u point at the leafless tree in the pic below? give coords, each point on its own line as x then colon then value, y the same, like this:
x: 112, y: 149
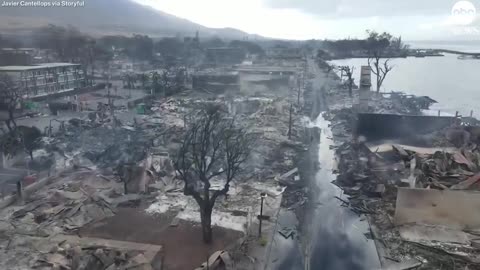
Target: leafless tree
x: 9, y: 98
x: 213, y: 146
x: 347, y: 71
x: 299, y: 89
x: 290, y: 122
x: 124, y: 171
x: 329, y: 69
x: 377, y: 46
x: 380, y: 68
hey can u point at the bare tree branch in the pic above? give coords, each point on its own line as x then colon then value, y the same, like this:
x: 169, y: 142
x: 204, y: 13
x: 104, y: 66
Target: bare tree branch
x: 377, y: 46
x: 348, y: 71
x: 213, y: 146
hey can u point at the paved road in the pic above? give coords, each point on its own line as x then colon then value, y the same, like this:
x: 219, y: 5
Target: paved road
x: 335, y: 235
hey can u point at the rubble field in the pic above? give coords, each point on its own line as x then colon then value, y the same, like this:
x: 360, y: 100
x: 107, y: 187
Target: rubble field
x: 86, y: 215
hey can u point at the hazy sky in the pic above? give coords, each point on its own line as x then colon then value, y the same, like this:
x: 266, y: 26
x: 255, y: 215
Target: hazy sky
x: 306, y: 19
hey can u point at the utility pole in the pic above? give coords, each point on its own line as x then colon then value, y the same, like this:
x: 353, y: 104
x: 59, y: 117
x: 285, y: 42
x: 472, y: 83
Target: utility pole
x: 290, y: 122
x: 299, y: 90
x: 20, y: 195
x: 165, y: 83
x: 110, y: 99
x: 263, y: 195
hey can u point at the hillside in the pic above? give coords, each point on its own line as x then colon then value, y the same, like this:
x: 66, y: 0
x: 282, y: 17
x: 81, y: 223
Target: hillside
x: 107, y: 17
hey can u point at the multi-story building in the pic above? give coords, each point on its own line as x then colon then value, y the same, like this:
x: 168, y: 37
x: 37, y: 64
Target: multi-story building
x: 45, y: 79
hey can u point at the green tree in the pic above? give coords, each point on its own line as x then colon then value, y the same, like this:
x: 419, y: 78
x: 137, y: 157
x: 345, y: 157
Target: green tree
x: 30, y: 137
x: 10, y: 97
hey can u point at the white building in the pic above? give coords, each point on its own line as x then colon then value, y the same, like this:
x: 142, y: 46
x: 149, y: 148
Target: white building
x: 46, y: 79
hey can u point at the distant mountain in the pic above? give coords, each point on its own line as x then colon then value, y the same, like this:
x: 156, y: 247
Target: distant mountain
x: 108, y: 17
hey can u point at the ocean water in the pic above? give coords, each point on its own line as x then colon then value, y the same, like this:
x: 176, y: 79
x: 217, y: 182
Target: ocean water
x: 453, y: 82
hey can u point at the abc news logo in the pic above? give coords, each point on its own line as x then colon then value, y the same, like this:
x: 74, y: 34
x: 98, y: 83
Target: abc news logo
x: 464, y: 13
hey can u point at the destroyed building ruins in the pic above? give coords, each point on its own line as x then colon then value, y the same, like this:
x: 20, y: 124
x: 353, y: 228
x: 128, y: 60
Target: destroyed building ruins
x: 103, y: 190
x: 186, y: 153
x: 217, y: 81
x: 413, y: 176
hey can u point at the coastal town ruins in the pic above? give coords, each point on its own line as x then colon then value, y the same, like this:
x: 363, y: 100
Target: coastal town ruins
x: 187, y: 153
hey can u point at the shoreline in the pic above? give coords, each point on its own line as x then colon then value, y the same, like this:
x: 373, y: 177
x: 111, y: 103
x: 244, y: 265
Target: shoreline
x: 414, y: 52
x: 448, y: 80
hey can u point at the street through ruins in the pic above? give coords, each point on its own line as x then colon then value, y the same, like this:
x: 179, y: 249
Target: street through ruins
x: 340, y: 239
x: 333, y: 237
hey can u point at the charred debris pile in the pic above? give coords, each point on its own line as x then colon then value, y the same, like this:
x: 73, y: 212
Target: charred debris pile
x: 86, y: 186
x: 417, y: 178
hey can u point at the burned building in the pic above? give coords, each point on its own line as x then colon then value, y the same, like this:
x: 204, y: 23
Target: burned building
x: 217, y: 81
x: 225, y: 55
x: 45, y: 79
